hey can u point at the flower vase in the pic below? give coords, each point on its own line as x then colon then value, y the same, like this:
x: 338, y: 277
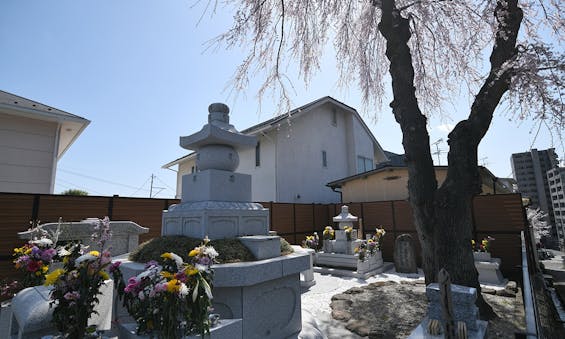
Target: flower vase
x: 481, y: 256
x: 327, y: 246
x: 363, y: 266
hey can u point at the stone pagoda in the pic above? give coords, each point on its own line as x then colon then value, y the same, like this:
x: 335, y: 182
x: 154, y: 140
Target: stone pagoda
x: 340, y: 253
x: 216, y: 201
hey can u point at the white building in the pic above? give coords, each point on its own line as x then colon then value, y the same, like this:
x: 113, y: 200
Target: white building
x: 298, y: 153
x: 556, y: 181
x: 33, y: 137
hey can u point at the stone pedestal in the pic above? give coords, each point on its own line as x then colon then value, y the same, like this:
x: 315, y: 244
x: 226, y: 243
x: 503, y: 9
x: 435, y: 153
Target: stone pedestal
x: 265, y: 294
x: 489, y: 272
x: 464, y: 310
x: 216, y: 219
x: 32, y: 314
x: 125, y: 234
x: 226, y: 328
x: 489, y: 269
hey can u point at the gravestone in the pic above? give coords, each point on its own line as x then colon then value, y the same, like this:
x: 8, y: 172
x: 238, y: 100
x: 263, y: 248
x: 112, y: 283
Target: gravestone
x: 405, y: 254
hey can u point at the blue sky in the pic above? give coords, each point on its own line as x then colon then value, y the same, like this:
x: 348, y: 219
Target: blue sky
x: 139, y: 71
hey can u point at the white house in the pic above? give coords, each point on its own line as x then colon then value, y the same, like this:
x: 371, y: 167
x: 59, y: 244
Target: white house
x: 33, y: 137
x: 298, y: 153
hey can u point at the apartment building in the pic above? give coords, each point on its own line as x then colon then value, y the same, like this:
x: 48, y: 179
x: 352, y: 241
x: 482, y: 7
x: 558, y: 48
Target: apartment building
x: 556, y: 182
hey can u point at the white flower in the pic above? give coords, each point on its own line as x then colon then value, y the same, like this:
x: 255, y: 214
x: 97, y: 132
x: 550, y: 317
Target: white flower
x: 43, y: 242
x: 177, y: 259
x: 63, y: 252
x: 210, y: 252
x: 183, y: 290
x: 201, y: 268
x: 85, y: 257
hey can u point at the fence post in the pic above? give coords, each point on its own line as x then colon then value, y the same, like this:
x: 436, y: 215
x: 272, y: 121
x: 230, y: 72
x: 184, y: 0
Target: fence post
x: 111, y: 207
x: 35, y: 208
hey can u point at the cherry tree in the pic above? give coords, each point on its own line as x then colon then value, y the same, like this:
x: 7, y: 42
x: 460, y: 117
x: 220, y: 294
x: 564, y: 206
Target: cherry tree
x: 500, y: 51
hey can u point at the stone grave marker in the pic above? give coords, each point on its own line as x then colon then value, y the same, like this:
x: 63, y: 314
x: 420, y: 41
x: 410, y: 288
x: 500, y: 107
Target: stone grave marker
x: 405, y: 254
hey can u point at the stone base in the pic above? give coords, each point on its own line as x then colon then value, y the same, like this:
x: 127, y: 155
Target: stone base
x: 216, y: 219
x: 489, y: 272
x: 387, y: 266
x: 263, y: 246
x: 265, y: 294
x: 226, y: 328
x: 216, y: 185
x: 32, y: 313
x: 421, y: 331
x: 481, y: 256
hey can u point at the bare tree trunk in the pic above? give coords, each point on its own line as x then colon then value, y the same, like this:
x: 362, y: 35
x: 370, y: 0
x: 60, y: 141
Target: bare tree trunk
x: 443, y: 216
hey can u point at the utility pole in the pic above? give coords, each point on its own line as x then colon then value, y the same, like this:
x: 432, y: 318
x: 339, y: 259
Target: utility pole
x: 151, y: 189
x: 438, y: 151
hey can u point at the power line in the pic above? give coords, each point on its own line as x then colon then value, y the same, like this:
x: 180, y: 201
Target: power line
x: 97, y: 179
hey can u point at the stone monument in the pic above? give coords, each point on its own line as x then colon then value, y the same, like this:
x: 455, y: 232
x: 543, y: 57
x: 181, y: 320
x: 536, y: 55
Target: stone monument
x: 489, y: 269
x: 340, y: 253
x: 405, y: 254
x: 216, y: 202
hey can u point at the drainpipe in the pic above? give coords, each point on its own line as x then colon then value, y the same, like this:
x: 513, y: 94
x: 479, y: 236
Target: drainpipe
x: 336, y: 190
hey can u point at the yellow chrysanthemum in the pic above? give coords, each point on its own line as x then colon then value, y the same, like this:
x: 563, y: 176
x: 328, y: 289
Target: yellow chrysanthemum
x: 94, y: 253
x: 190, y: 270
x: 194, y: 252
x: 166, y: 275
x: 28, y: 251
x: 44, y: 268
x: 173, y: 286
x: 104, y: 275
x: 52, y: 277
x: 166, y: 255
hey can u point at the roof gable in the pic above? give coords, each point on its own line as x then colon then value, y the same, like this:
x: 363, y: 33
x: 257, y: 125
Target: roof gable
x: 71, y: 125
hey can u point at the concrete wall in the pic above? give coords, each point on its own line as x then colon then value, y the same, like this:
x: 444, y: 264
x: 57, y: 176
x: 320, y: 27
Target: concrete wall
x: 27, y: 154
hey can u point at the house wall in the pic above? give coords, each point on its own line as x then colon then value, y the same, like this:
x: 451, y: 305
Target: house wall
x: 27, y: 154
x: 301, y: 176
x: 263, y: 183
x: 391, y: 184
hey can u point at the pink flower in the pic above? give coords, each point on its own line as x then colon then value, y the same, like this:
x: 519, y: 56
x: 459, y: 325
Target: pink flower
x: 74, y: 295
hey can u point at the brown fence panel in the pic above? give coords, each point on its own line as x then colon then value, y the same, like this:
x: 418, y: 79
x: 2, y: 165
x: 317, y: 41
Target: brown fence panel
x: 377, y: 214
x: 71, y: 208
x: 304, y: 218
x: 403, y: 219
x: 283, y: 218
x: 501, y: 212
x: 144, y: 212
x: 322, y: 217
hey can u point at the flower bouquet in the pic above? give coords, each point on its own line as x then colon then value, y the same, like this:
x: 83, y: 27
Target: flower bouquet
x: 77, y: 285
x: 311, y: 241
x: 328, y: 233
x: 378, y: 237
x: 33, y: 259
x: 174, y: 299
x: 348, y: 230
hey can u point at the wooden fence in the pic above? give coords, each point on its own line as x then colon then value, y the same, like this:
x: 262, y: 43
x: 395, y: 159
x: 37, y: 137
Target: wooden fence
x: 500, y: 216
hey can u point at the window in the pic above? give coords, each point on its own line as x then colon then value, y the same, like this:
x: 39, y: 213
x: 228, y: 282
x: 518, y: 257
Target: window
x: 258, y: 154
x: 192, y: 169
x: 334, y: 117
x: 364, y: 164
x: 324, y: 159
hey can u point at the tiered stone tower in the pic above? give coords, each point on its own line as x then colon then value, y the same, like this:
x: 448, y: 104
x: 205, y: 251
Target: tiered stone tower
x: 216, y: 201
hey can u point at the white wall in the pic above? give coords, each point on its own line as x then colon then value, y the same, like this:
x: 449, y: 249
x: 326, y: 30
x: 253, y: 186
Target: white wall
x: 299, y: 160
x: 263, y: 183
x: 27, y: 154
